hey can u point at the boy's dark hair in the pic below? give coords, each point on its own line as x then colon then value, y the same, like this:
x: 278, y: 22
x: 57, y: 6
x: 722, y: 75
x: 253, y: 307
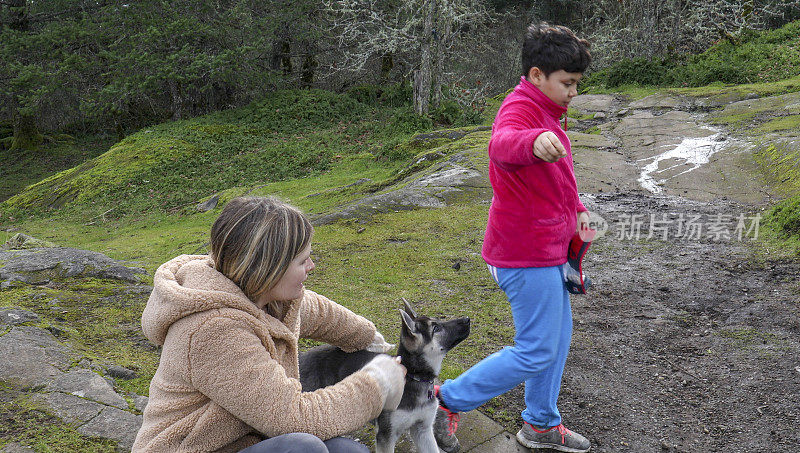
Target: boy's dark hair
x: 553, y: 47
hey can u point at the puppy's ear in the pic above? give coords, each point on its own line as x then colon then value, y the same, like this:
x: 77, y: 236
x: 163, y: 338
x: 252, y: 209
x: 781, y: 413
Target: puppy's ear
x: 408, y: 309
x: 408, y: 323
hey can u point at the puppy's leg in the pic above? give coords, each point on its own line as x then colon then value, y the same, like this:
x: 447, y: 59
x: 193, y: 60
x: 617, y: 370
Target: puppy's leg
x: 422, y: 433
x: 386, y: 436
x: 385, y: 443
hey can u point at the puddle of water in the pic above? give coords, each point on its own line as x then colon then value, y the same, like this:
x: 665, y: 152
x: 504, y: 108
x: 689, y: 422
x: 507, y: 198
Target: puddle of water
x: 691, y: 151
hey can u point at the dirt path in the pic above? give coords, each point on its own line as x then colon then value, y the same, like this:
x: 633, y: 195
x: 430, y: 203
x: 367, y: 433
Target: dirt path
x: 688, y: 342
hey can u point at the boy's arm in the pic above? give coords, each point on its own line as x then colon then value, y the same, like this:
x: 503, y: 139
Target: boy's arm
x: 516, y: 141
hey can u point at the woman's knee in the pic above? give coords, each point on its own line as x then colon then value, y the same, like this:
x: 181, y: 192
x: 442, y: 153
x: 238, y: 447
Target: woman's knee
x: 304, y: 442
x: 345, y: 445
x: 289, y: 443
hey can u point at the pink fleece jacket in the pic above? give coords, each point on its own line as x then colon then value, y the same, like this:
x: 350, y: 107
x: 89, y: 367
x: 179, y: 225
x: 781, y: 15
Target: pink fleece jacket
x: 535, y: 203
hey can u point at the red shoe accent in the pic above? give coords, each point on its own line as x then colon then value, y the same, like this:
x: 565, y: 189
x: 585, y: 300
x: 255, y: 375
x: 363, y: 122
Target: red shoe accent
x: 560, y: 428
x: 452, y: 417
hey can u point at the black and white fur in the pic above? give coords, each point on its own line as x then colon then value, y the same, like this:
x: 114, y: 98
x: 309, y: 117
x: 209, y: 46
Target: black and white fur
x: 423, y: 345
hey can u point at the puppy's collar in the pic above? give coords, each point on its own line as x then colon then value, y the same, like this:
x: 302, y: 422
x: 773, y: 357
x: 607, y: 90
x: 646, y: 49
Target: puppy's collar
x: 417, y: 378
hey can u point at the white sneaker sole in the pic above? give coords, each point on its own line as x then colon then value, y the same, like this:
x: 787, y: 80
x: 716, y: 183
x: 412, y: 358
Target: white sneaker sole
x: 534, y: 445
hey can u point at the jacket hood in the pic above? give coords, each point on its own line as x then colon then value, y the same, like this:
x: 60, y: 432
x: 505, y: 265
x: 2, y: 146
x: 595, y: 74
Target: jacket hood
x: 186, y: 285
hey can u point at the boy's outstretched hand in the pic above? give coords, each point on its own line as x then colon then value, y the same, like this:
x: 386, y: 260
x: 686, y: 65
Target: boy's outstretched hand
x: 548, y: 147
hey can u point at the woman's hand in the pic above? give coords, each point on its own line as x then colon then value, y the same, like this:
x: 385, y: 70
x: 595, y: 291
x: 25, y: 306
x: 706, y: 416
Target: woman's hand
x: 390, y: 375
x: 379, y: 344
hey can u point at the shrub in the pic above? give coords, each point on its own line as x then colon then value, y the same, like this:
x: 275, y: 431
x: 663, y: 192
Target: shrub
x: 397, y: 95
x: 749, y: 57
x: 406, y: 121
x: 642, y: 71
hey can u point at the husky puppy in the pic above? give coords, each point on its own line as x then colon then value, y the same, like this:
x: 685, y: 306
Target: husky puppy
x: 423, y: 345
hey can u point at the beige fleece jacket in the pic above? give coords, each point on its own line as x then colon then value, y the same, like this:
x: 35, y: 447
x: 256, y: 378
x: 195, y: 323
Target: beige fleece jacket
x: 228, y: 374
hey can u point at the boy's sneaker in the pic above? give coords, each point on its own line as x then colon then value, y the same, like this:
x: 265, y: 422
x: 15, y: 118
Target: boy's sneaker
x: 445, y: 426
x: 558, y: 438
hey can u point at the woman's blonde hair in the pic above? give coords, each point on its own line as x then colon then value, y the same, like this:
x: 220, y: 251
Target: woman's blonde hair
x: 254, y: 240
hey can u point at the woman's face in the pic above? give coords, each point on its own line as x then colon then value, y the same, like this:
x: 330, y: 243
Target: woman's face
x: 290, y: 286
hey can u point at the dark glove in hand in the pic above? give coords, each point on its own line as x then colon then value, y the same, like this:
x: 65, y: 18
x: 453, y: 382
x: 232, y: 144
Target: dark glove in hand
x: 574, y: 278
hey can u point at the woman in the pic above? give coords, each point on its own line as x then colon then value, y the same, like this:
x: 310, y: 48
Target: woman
x: 229, y: 324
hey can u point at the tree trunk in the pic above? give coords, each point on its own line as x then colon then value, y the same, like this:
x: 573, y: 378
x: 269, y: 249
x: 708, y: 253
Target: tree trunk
x: 26, y: 133
x: 387, y: 63
x: 442, y: 41
x: 422, y: 76
x: 281, y: 56
x: 177, y: 100
x: 309, y: 65
x: 18, y: 11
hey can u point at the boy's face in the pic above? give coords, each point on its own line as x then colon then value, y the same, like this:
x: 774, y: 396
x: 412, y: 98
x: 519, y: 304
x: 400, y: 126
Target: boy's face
x: 560, y: 86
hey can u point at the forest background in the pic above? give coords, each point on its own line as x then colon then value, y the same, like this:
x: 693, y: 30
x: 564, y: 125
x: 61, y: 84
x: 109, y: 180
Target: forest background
x: 112, y: 67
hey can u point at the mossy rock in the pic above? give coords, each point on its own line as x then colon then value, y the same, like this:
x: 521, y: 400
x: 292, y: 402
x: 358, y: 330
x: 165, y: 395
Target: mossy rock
x: 41, y: 265
x: 21, y: 241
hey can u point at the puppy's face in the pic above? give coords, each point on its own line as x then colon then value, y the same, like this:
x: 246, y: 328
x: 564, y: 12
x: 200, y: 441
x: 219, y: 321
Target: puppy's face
x: 431, y: 338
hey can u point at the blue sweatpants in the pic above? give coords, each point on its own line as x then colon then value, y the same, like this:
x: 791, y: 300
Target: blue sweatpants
x: 543, y: 322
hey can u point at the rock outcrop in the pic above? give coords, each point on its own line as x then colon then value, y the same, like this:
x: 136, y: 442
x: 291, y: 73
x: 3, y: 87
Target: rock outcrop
x: 38, y: 266
x: 37, y: 366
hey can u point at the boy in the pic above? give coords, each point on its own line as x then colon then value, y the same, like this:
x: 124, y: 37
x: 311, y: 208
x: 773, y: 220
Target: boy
x: 535, y: 212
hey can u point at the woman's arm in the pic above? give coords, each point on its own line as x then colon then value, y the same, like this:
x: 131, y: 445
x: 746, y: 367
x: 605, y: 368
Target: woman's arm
x: 324, y: 320
x: 229, y: 364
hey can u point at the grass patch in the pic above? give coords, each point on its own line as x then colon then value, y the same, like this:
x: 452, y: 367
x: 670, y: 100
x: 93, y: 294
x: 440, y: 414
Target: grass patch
x: 629, y: 90
x: 761, y: 89
x: 29, y: 425
x: 20, y: 169
x: 779, y: 162
x: 781, y: 228
x: 290, y: 135
x: 412, y: 254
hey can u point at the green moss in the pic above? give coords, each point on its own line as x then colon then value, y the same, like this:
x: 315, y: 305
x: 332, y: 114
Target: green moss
x: 630, y: 91
x: 749, y: 339
x: 786, y: 123
x: 28, y: 424
x: 574, y: 114
x: 762, y: 89
x: 779, y: 162
x: 98, y: 318
x: 781, y: 227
